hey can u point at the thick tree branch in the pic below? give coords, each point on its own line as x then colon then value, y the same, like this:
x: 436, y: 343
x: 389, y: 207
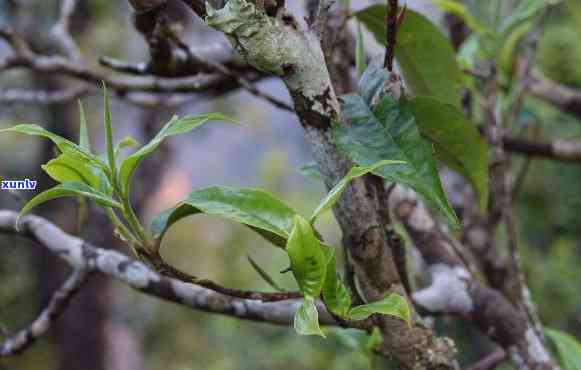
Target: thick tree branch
x: 279, y: 46
x: 80, y: 254
x: 454, y: 290
x: 565, y: 98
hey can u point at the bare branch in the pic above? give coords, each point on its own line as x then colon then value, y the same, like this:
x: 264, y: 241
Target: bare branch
x: 18, y: 343
x: 61, y: 33
x: 563, y: 97
x: 12, y: 96
x: 490, y: 361
x: 78, y: 253
x: 454, y: 290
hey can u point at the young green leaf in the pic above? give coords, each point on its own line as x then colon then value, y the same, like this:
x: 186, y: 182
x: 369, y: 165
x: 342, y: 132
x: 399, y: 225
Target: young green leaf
x: 69, y: 189
x: 264, y: 275
x: 307, y: 319
x: 389, y: 131
x: 175, y: 126
x: 109, y: 136
x: 126, y: 142
x: 457, y: 141
x: 335, y: 295
x: 308, y: 259
x: 333, y: 196
x: 259, y: 210
x: 567, y: 348
x: 460, y: 10
x: 84, y: 141
x: 69, y: 167
x: 525, y: 12
x: 63, y: 144
x: 394, y: 305
x: 311, y: 170
x: 423, y: 52
x: 360, y: 60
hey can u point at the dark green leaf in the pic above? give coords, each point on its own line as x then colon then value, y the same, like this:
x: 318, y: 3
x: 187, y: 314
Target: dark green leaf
x: 389, y: 131
x: 457, y: 141
x: 333, y: 196
x: 424, y: 54
x: 568, y: 349
x: 394, y: 305
x: 264, y: 275
x: 257, y: 209
x: 69, y: 189
x: 175, y: 126
x: 84, y: 141
x: 307, y: 319
x: 308, y: 258
x: 335, y: 295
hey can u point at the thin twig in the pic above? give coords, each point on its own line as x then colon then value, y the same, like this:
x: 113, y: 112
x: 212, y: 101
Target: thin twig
x: 61, y: 31
x: 391, y: 34
x: 58, y: 303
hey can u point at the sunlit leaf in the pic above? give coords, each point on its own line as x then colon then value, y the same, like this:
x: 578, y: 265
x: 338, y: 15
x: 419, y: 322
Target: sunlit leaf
x: 307, y: 319
x: 333, y: 196
x: 457, y: 141
x: 69, y: 167
x: 258, y: 209
x: 394, y: 305
x: 126, y: 142
x: 175, y: 126
x: 423, y: 52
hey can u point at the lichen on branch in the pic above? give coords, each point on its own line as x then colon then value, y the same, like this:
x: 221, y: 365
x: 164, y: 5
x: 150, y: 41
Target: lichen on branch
x: 279, y: 46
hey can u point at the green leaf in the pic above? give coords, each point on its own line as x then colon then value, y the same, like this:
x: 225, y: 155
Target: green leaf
x: 175, y: 126
x: 259, y: 210
x: 126, y: 142
x: 84, y: 141
x: 461, y: 11
x: 423, y: 52
x: 264, y: 275
x: 525, y: 12
x: 457, y: 141
x: 311, y: 170
x: 69, y: 167
x: 360, y: 60
x: 389, y: 131
x: 568, y: 349
x: 69, y: 189
x: 333, y: 196
x: 307, y: 319
x: 63, y: 144
x: 308, y: 259
x: 394, y: 305
x: 335, y: 295
x: 109, y: 136
x: 356, y: 339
